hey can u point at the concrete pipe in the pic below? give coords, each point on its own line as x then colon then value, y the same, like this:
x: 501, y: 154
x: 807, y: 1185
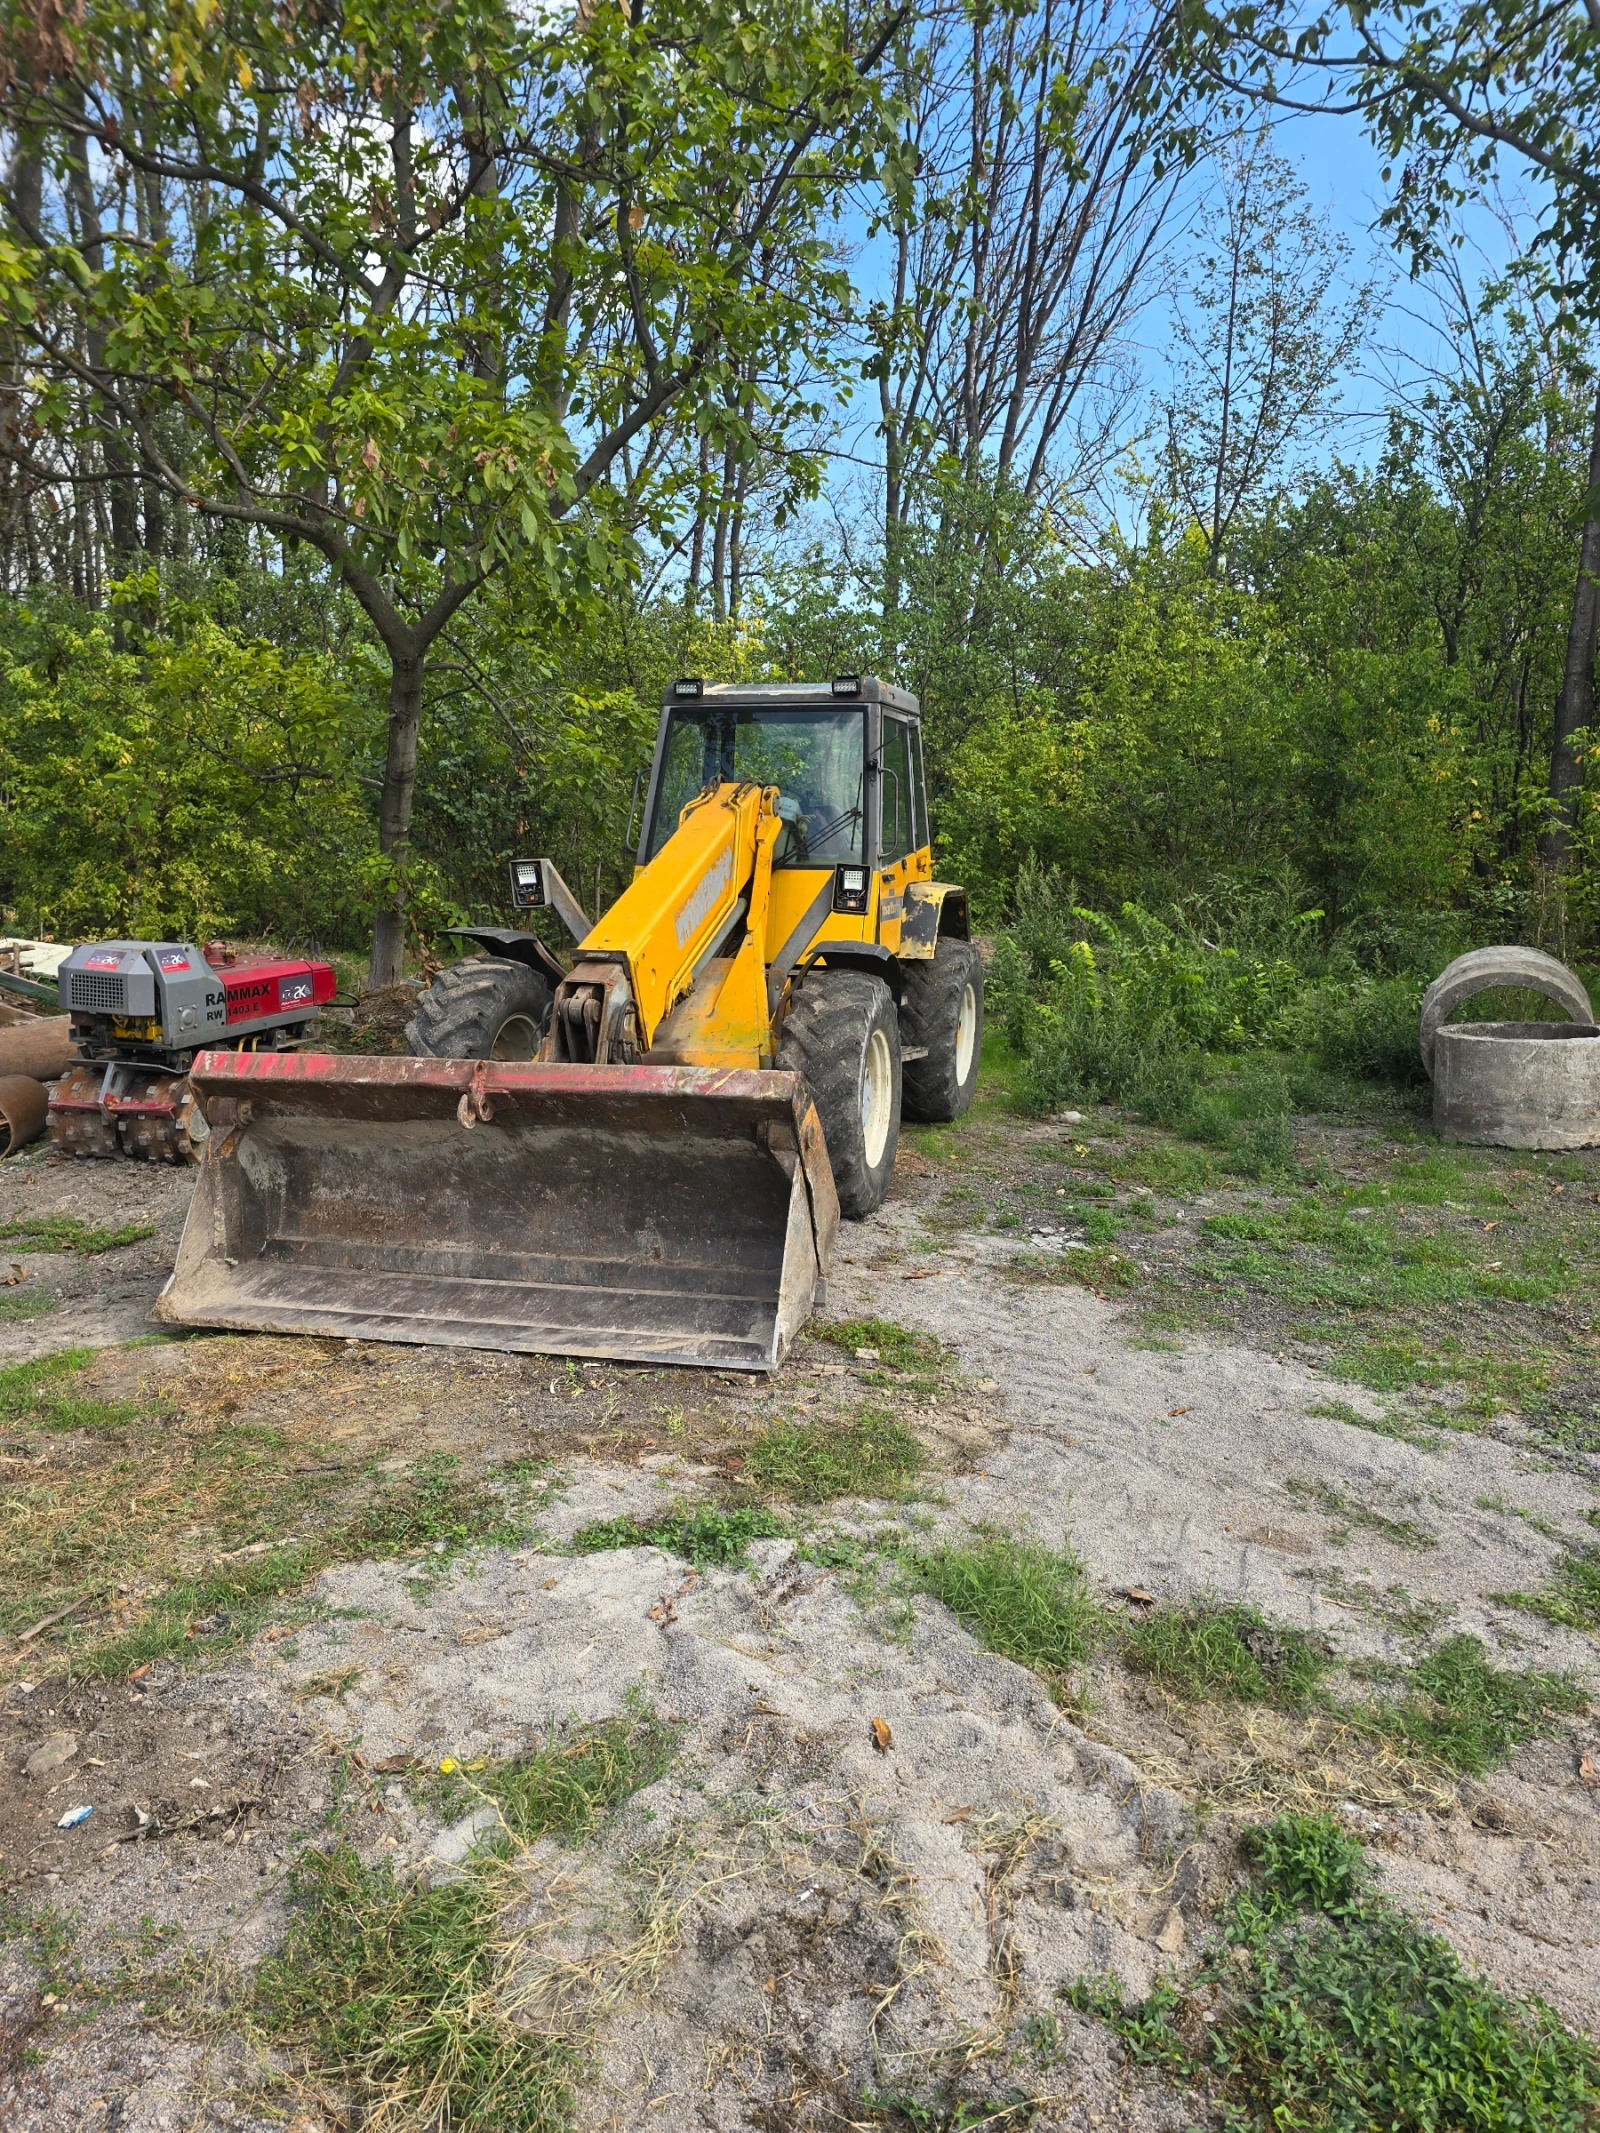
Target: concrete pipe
x: 1512, y: 1084
x: 42, y: 1046
x: 22, y: 1111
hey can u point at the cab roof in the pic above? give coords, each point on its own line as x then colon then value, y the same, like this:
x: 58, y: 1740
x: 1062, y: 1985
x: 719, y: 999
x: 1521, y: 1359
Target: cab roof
x: 775, y: 695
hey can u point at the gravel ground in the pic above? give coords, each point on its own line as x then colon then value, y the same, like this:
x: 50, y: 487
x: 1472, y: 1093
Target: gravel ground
x: 793, y: 1917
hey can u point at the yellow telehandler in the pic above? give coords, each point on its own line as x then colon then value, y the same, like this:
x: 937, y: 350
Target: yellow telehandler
x: 645, y: 1154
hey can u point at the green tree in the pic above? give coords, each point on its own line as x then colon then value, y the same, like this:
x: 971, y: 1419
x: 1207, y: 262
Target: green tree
x: 1452, y: 96
x: 207, y: 783
x: 1260, y: 340
x: 431, y: 290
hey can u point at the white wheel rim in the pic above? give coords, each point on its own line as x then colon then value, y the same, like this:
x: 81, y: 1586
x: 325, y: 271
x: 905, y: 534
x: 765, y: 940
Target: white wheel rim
x: 518, y: 1039
x: 877, y: 1097
x: 966, y: 1033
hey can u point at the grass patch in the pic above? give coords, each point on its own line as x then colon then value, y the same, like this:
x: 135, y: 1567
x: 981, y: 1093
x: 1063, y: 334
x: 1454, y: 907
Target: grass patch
x: 869, y: 1455
x: 65, y: 1233
x: 1324, y: 2007
x: 1348, y: 1512
x: 1027, y: 1602
x: 390, y: 1988
x: 435, y: 1511
x: 704, y: 1536
x: 19, y: 1303
x: 1463, y: 1711
x: 1388, y: 1424
x: 563, y: 1788
x: 1572, y: 1601
x: 1228, y: 1651
x: 898, y: 1347
x: 1095, y: 1267
x: 163, y: 1530
x: 38, y: 1395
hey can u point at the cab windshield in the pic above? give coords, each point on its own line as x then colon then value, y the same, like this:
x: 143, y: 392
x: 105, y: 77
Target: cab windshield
x: 816, y: 758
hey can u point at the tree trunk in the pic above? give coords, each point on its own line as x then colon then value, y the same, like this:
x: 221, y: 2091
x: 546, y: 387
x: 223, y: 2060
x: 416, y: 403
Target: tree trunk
x: 1575, y: 704
x: 697, y: 547
x: 394, y: 811
x: 719, y: 541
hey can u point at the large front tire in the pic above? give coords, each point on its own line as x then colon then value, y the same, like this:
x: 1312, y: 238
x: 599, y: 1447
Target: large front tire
x: 485, y: 1007
x: 942, y: 1010
x: 843, y: 1035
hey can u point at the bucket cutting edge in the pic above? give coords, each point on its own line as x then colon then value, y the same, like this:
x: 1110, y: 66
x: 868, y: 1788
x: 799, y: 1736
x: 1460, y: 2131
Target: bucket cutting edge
x: 678, y: 1215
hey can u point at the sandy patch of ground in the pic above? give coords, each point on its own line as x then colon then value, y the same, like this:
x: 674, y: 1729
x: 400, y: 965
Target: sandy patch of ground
x: 791, y: 1921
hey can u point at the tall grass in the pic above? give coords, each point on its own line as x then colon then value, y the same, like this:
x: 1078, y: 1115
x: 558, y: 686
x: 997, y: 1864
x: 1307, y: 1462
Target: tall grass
x: 1184, y: 1016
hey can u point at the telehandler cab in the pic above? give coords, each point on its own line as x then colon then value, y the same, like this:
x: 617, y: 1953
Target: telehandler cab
x: 643, y: 1155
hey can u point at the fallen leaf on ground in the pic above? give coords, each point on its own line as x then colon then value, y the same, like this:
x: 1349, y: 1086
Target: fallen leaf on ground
x: 962, y: 1814
x: 882, y: 1738
x: 1589, y: 1769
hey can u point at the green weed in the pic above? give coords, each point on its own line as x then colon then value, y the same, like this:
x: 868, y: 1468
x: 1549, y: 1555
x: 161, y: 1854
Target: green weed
x: 1027, y: 1602
x: 1463, y: 1711
x: 1146, y: 2032
x: 869, y: 1455
x: 1228, y: 1650
x: 65, y: 1233
x: 1572, y: 1600
x: 897, y: 1347
x: 1349, y: 1511
x: 390, y: 1987
x: 1327, y: 2010
x: 704, y: 1536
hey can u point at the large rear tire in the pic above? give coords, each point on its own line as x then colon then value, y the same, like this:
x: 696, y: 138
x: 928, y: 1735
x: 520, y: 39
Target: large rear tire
x: 485, y: 1007
x: 942, y: 1009
x: 843, y: 1035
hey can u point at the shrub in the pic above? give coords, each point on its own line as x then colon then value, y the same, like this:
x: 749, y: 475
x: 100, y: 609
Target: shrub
x: 1366, y: 1027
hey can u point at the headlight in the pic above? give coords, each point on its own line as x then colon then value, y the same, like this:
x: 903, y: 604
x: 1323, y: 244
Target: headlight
x: 527, y: 885
x: 852, y: 890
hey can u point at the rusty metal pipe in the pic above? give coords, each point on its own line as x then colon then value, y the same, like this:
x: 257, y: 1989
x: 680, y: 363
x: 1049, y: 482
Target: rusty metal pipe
x: 22, y: 1111
x: 41, y: 1046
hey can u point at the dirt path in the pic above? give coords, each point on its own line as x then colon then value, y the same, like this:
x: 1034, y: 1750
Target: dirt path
x: 855, y: 1857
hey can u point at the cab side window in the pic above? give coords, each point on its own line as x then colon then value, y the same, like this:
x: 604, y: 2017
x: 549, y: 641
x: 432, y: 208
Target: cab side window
x: 919, y: 794
x: 897, y: 788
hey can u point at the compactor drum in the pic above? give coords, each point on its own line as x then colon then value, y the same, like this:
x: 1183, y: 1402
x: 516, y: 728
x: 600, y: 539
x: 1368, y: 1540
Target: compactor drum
x: 641, y: 1150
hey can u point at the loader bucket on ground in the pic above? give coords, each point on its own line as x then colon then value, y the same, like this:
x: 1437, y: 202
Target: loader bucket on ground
x: 653, y: 1214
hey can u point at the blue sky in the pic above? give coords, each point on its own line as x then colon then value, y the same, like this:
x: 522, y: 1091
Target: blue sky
x: 1343, y: 175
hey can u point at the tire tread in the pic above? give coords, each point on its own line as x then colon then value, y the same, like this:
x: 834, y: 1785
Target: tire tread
x: 930, y: 1009
x: 828, y: 1026
x: 463, y: 1010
